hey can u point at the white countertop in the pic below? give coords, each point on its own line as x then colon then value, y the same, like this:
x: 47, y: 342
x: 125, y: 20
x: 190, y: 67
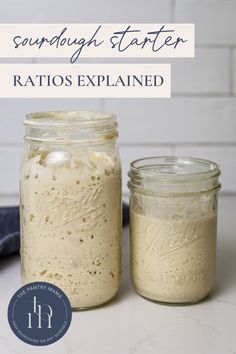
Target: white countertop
x: 132, y: 325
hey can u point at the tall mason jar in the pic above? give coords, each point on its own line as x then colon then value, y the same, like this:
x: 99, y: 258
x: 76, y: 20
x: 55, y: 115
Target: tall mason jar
x: 71, y: 205
x: 173, y: 210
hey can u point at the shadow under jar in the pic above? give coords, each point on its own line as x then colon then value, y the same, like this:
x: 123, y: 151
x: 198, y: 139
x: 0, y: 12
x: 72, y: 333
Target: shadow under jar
x: 173, y: 211
x: 71, y: 205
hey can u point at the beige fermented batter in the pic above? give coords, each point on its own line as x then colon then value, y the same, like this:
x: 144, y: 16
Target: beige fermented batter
x: 70, y: 224
x: 173, y: 260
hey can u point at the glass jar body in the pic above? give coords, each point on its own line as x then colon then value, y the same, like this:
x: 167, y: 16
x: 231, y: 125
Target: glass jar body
x: 173, y: 240
x: 71, y: 219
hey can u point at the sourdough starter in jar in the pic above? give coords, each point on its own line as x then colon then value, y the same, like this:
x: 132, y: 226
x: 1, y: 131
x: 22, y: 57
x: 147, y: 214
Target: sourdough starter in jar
x: 173, y: 261
x: 71, y: 222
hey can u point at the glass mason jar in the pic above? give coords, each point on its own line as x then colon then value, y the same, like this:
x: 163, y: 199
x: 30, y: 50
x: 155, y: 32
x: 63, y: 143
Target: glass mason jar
x: 173, y: 210
x: 71, y: 205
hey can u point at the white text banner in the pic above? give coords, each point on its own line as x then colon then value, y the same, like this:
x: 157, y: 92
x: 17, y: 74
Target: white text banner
x: 85, y: 80
x: 96, y: 40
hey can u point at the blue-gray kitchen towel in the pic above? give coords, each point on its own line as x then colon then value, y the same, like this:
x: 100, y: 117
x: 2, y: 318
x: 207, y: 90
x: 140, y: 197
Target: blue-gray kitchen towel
x: 10, y: 229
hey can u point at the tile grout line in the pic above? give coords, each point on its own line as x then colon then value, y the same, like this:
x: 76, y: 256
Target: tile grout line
x: 173, y: 6
x: 9, y: 195
x: 102, y: 105
x: 214, y: 46
x: 181, y: 144
x: 203, y: 95
x: 231, y: 72
x: 173, y: 150
x: 11, y: 145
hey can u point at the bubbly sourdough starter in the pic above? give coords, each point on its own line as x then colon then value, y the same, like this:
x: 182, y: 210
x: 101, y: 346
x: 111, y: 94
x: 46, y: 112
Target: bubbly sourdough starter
x: 71, y: 225
x: 173, y: 261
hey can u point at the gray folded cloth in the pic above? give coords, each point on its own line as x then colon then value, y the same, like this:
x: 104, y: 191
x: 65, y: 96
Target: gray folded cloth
x: 10, y: 229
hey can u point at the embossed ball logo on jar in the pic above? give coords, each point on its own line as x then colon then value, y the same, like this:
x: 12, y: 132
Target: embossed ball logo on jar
x: 169, y: 237
x: 39, y: 313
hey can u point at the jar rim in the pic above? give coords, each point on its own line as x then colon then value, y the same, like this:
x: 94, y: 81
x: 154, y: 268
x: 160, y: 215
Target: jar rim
x: 165, y: 175
x: 70, y: 127
x: 173, y: 168
x: 68, y: 118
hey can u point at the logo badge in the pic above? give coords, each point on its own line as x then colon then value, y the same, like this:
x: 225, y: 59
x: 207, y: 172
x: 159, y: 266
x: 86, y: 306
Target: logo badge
x: 39, y: 313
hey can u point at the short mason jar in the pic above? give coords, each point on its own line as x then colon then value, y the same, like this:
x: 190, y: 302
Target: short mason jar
x: 173, y: 211
x: 71, y: 205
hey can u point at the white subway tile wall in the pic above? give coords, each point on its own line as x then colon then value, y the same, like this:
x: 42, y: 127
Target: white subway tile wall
x: 200, y: 118
x: 233, y: 73
x: 12, y: 112
x: 215, y: 20
x: 206, y: 74
x: 134, y: 152
x: 225, y: 157
x: 88, y: 11
x: 191, y: 120
x: 10, y: 160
